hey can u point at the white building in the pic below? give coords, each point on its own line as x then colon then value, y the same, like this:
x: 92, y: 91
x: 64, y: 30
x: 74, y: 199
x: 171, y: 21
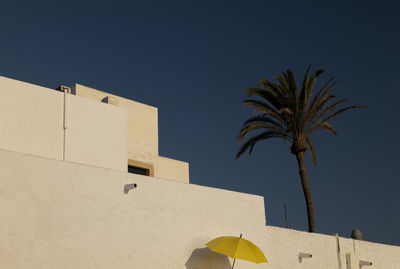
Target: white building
x: 65, y: 200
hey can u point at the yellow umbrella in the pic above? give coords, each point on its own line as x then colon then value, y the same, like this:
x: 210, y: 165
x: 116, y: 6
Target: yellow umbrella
x: 237, y: 248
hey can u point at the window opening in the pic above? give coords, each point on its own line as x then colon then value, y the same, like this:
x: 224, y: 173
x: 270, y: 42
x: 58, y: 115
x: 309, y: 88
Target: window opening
x: 138, y: 170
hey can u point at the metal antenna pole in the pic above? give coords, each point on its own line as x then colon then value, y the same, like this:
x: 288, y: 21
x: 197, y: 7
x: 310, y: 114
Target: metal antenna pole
x: 286, y: 220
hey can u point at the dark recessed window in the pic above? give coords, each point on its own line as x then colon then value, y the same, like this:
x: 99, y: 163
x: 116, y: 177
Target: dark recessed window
x: 138, y: 170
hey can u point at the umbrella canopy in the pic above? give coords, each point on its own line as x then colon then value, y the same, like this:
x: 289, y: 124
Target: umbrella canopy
x: 237, y: 248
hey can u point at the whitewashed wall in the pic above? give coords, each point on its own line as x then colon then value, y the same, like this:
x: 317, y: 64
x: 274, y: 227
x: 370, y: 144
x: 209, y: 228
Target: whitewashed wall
x: 283, y: 246
x: 96, y: 134
x: 32, y: 122
x: 31, y: 119
x: 142, y: 134
x: 172, y: 169
x: 58, y: 214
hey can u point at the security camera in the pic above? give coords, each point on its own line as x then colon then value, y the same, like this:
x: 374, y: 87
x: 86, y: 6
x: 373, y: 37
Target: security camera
x: 365, y: 263
x: 129, y: 187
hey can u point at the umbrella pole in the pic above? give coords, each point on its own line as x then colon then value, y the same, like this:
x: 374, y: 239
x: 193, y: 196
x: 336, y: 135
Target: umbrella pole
x: 234, y: 260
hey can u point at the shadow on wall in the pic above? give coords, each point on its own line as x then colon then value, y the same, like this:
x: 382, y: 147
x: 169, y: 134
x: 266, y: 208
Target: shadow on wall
x: 203, y: 258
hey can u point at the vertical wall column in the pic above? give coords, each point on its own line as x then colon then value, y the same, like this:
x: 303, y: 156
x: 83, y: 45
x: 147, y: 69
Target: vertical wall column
x: 66, y: 91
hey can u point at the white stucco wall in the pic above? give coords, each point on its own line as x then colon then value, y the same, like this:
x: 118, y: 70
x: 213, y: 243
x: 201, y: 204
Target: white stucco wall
x: 58, y: 214
x: 96, y: 134
x: 142, y: 121
x: 31, y: 119
x: 172, y: 169
x: 32, y: 122
x: 283, y: 246
x: 142, y: 138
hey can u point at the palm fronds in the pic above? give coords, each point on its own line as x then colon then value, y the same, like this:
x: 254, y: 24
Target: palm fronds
x: 282, y: 110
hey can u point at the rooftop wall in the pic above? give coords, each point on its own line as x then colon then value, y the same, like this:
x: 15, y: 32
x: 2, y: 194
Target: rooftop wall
x: 142, y: 135
x: 109, y: 135
x: 31, y: 119
x: 96, y: 134
x: 142, y: 120
x: 32, y: 122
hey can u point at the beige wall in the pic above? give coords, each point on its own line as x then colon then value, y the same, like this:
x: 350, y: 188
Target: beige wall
x: 96, y: 134
x: 99, y: 134
x: 283, y: 247
x: 32, y: 122
x: 31, y: 119
x: 58, y: 214
x: 142, y: 121
x: 142, y: 134
x: 172, y: 169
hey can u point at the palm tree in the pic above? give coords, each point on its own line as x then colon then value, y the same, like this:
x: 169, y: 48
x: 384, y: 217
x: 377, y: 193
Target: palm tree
x: 281, y: 110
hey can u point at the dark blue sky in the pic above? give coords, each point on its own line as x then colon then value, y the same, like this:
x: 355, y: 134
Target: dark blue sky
x: 193, y: 60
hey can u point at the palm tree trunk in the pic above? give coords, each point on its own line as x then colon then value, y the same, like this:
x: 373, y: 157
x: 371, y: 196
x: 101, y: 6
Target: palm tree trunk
x: 306, y: 191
